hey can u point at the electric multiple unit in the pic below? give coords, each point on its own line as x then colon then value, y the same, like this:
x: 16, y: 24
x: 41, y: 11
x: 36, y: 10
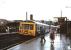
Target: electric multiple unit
x: 32, y: 28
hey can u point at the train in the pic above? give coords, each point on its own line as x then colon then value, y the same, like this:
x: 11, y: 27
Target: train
x: 32, y: 28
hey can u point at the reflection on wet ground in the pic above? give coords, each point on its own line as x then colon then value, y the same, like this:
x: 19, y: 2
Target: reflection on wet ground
x: 60, y: 43
x: 52, y: 46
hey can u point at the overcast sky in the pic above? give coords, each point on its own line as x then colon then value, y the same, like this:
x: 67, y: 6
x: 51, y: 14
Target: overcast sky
x: 41, y: 9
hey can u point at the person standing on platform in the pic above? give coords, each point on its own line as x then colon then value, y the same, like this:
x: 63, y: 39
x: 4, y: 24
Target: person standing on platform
x: 42, y: 32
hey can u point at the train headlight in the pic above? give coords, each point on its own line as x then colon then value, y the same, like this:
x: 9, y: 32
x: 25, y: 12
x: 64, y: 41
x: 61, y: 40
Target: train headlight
x: 25, y: 32
x: 30, y: 33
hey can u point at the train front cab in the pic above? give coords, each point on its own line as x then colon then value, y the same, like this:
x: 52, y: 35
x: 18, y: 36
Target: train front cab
x: 27, y: 28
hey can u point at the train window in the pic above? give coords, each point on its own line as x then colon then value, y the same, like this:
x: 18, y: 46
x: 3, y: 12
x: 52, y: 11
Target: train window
x: 28, y: 26
x: 31, y: 27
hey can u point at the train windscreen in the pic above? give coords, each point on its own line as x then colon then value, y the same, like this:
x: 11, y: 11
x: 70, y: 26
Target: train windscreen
x: 28, y: 26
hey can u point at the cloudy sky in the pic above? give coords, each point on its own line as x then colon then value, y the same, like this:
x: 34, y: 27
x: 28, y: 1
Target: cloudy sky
x: 41, y: 9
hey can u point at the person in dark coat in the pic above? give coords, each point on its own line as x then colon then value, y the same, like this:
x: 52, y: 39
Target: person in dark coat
x: 42, y: 32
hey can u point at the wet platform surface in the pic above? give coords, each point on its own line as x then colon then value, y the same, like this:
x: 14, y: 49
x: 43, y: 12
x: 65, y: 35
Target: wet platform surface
x: 60, y: 43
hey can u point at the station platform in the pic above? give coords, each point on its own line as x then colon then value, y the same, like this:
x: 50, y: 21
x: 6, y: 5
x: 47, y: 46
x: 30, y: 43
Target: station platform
x: 60, y: 43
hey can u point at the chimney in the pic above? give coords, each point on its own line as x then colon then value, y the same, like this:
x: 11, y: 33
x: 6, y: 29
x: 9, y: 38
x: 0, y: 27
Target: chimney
x: 31, y: 17
x: 42, y: 21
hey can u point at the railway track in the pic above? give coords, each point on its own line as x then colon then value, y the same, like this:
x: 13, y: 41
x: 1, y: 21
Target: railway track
x: 8, y: 40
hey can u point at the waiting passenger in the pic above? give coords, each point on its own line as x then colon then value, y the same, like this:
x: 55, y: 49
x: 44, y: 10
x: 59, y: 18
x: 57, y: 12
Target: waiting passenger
x: 42, y: 32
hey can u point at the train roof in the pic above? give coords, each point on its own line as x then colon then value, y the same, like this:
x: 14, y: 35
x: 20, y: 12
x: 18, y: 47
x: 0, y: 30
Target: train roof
x: 40, y: 23
x: 46, y: 24
x: 29, y: 21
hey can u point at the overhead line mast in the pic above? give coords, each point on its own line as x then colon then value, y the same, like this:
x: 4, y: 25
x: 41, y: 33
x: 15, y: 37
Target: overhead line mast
x: 61, y: 13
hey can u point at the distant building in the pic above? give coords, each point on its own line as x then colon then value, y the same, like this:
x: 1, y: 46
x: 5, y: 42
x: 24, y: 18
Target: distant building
x: 3, y: 22
x: 69, y: 28
x: 3, y: 25
x: 31, y: 17
x: 62, y: 21
x: 13, y: 25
